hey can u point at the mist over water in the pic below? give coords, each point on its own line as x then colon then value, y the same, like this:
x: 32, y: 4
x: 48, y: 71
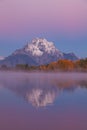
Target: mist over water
x: 43, y: 101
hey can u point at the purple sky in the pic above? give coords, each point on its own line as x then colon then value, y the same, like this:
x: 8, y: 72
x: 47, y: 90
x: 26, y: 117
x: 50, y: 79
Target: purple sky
x: 61, y: 21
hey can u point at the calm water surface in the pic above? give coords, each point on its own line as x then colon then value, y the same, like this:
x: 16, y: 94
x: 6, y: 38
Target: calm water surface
x: 39, y: 101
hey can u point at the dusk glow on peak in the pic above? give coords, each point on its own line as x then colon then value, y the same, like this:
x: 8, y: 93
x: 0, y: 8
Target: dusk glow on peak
x: 61, y: 21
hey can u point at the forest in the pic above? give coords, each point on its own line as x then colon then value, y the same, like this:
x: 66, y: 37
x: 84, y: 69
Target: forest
x: 58, y: 66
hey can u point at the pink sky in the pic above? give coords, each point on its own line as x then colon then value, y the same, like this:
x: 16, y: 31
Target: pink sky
x: 61, y: 21
x: 63, y: 15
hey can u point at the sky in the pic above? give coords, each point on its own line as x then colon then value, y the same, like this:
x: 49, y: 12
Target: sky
x: 63, y: 22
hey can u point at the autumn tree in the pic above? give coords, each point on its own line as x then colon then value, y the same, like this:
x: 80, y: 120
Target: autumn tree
x: 65, y: 65
x: 81, y: 65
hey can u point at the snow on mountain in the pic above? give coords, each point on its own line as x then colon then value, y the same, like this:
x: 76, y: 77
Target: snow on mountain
x: 38, y: 52
x: 38, y: 47
x: 2, y: 58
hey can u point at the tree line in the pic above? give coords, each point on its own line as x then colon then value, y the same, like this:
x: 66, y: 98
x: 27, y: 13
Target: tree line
x: 60, y: 65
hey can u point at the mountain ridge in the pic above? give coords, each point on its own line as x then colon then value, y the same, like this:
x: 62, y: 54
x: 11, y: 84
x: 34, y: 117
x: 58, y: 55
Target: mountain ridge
x: 38, y: 52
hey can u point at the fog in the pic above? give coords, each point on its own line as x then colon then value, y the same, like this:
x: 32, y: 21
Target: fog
x: 60, y: 76
x: 41, y: 89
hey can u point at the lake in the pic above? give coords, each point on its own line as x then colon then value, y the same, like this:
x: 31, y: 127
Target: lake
x: 43, y: 101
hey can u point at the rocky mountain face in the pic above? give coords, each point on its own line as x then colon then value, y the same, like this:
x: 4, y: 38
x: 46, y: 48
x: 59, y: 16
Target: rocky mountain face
x: 38, y: 52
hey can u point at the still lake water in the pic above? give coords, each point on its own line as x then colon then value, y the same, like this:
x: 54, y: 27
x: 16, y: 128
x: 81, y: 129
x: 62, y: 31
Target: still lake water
x: 40, y: 101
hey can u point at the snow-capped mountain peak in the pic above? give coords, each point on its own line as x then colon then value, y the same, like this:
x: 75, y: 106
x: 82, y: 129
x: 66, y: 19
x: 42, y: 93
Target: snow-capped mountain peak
x: 2, y: 58
x: 38, y: 52
x: 39, y: 46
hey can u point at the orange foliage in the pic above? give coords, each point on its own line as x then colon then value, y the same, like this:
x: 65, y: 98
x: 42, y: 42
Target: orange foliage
x: 65, y: 65
x: 62, y: 65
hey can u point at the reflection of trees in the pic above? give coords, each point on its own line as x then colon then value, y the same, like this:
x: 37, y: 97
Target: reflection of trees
x: 83, y: 83
x: 70, y: 83
x: 40, y: 90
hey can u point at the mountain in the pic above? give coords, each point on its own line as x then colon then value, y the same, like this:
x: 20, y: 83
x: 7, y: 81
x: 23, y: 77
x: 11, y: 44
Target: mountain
x: 70, y: 56
x: 38, y: 52
x: 2, y: 58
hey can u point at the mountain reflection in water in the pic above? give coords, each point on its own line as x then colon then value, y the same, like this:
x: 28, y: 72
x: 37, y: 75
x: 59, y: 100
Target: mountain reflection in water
x: 41, y: 89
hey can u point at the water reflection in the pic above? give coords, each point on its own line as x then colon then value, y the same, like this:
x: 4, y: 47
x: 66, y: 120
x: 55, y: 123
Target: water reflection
x: 41, y: 89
